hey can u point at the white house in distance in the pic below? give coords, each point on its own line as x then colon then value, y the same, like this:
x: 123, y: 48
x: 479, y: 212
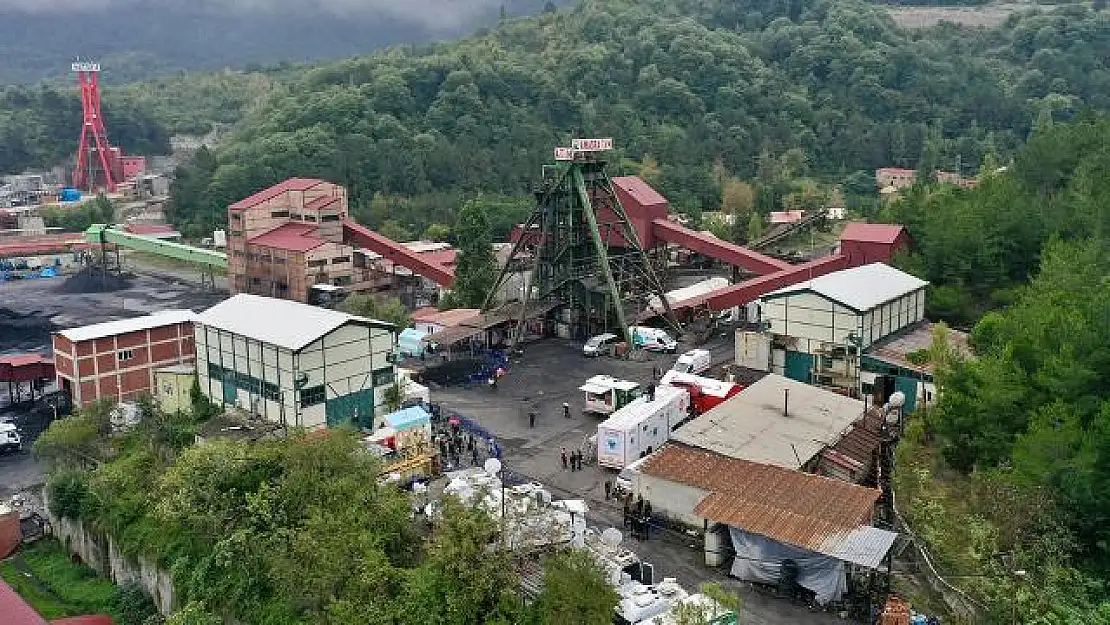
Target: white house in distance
x: 293, y: 363
x: 820, y: 326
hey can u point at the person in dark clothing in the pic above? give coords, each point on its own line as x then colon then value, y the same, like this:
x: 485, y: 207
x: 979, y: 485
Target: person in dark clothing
x: 532, y: 419
x: 608, y: 489
x: 474, y: 453
x: 564, y: 452
x: 566, y: 410
x: 627, y: 509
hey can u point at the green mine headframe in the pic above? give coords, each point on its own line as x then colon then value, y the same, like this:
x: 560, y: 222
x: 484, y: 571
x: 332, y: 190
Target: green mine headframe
x: 101, y: 234
x: 587, y: 260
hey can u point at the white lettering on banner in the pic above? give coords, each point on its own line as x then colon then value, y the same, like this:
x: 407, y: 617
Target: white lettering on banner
x: 564, y: 154
x: 83, y: 66
x: 592, y: 145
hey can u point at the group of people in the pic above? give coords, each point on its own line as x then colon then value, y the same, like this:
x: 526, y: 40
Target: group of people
x: 573, y: 461
x: 455, y: 445
x: 638, y: 515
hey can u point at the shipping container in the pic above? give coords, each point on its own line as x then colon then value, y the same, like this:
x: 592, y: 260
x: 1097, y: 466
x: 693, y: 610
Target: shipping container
x: 641, y: 427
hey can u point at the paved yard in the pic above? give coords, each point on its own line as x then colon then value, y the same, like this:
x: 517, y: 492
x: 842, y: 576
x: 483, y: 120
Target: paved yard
x: 550, y: 373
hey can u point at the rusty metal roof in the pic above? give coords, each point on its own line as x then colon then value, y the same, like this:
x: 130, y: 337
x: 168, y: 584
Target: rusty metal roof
x: 809, y: 511
x: 292, y: 184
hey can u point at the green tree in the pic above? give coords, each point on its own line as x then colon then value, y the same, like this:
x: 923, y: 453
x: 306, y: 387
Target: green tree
x: 193, y: 613
x: 437, y: 232
x: 390, y: 310
x: 103, y: 210
x: 755, y: 226
x: 475, y: 266
x: 575, y: 591
x: 394, y: 230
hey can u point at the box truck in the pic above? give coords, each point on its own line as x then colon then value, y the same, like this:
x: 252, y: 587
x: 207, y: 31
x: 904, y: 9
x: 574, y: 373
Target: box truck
x: 705, y: 393
x: 606, y: 394
x: 641, y: 427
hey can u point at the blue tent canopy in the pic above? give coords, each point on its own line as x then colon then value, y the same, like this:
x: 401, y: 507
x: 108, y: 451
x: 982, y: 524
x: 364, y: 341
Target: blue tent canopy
x: 410, y: 342
x: 408, y: 419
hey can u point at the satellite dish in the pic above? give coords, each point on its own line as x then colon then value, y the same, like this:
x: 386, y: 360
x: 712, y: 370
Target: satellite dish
x: 611, y: 538
x: 898, y: 399
x: 492, y: 466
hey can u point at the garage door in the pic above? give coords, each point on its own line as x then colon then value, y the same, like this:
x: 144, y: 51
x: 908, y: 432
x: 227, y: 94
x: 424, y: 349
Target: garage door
x: 798, y: 366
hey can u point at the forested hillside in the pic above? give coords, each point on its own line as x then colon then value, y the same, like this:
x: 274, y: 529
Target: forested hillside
x: 1007, y: 479
x: 682, y: 86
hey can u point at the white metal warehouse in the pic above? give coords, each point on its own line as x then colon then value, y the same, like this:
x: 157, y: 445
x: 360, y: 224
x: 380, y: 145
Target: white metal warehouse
x: 821, y: 325
x: 293, y: 363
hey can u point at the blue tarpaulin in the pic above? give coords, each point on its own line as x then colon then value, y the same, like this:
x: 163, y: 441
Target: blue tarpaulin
x: 410, y: 342
x: 408, y: 419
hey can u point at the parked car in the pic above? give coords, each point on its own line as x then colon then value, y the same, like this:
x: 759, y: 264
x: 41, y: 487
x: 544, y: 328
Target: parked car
x: 10, y: 440
x: 693, y: 361
x: 599, y: 344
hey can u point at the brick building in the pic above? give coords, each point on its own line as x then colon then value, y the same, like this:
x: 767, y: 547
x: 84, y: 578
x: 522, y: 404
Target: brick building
x: 116, y: 360
x: 286, y: 238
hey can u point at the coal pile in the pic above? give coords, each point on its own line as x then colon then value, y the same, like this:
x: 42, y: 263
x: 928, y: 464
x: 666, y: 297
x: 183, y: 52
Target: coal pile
x: 93, y: 280
x: 23, y: 331
x: 452, y: 372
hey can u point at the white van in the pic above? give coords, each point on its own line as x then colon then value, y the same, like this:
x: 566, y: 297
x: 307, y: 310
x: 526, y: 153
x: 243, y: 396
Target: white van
x: 653, y: 339
x: 10, y: 440
x: 694, y: 361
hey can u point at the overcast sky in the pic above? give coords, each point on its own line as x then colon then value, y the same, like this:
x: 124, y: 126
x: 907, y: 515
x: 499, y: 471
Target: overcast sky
x: 432, y: 13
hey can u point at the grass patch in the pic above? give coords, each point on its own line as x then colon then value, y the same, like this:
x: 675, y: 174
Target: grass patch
x: 56, y: 587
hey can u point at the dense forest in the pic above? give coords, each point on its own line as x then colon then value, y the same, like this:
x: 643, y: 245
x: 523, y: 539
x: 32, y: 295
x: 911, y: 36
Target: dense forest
x: 682, y: 86
x: 1007, y: 479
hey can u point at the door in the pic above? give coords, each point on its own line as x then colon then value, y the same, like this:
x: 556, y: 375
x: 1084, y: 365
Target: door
x: 798, y: 366
x: 229, y: 392
x: 356, y: 408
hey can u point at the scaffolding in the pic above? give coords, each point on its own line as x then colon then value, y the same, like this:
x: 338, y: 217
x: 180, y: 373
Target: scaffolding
x: 587, y: 259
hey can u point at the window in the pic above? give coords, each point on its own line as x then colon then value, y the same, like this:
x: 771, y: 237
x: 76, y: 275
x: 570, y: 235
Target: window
x: 312, y: 396
x: 276, y: 214
x: 318, y: 263
x: 279, y: 260
x: 329, y: 218
x: 124, y: 355
x: 382, y: 377
x: 236, y: 233
x: 216, y: 372
x: 340, y: 259
x: 237, y: 217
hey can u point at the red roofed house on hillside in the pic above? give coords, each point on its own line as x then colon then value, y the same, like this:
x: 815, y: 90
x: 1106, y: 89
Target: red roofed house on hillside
x: 872, y: 243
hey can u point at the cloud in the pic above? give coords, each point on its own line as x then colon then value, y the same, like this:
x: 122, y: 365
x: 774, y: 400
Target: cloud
x: 433, y: 14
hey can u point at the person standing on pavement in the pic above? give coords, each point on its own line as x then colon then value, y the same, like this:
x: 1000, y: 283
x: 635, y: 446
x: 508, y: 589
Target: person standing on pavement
x: 608, y: 489
x: 532, y: 419
x: 566, y: 410
x: 564, y: 458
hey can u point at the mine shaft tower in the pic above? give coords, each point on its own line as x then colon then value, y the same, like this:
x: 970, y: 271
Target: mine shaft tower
x: 586, y: 258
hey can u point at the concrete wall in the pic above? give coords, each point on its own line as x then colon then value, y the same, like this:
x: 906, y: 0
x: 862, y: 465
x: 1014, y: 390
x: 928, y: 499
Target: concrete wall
x: 103, y: 555
x: 669, y: 498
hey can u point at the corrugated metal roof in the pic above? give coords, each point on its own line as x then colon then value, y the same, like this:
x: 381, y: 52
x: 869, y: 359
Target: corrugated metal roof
x: 864, y: 546
x: 123, y: 326
x: 859, y: 288
x: 871, y: 233
x: 810, y: 511
x: 280, y: 322
x: 446, y: 318
x: 151, y: 229
x: 291, y: 236
x: 15, y: 610
x: 639, y: 190
x: 752, y: 425
x: 896, y: 348
x: 292, y: 184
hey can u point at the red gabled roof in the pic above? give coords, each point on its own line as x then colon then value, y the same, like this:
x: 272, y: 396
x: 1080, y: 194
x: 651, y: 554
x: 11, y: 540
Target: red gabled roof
x: 291, y: 237
x: 92, y: 619
x: 872, y: 233
x: 15, y: 610
x: 293, y: 184
x: 321, y: 202
x: 639, y: 190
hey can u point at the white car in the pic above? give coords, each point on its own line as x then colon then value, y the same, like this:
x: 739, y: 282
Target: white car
x: 10, y: 440
x: 653, y: 339
x: 599, y: 344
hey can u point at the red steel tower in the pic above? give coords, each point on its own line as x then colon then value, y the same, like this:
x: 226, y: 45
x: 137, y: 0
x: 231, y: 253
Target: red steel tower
x: 97, y: 163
